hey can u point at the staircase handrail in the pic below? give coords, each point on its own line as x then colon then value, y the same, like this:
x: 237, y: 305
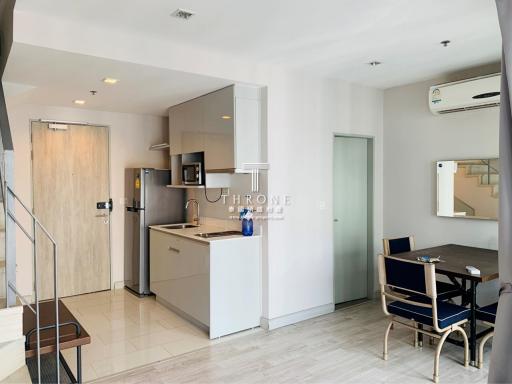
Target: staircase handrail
x: 36, y: 223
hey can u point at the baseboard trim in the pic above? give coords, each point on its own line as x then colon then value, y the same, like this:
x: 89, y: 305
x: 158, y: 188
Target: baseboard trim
x: 296, y: 317
x: 118, y: 285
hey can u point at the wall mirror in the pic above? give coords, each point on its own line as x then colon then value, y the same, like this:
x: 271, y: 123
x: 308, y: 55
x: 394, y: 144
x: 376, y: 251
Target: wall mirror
x: 468, y: 188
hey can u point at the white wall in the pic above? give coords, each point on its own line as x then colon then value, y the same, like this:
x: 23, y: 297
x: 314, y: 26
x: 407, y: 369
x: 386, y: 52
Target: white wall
x: 414, y: 140
x: 304, y: 115
x: 130, y: 137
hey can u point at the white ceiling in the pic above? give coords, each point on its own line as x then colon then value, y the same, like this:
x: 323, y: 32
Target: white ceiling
x: 37, y: 75
x: 328, y: 37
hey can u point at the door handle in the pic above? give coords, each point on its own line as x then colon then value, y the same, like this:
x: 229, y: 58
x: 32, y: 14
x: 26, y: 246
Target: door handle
x: 336, y: 220
x: 174, y: 249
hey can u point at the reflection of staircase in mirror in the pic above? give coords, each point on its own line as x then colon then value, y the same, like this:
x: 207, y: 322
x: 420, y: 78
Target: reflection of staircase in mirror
x: 462, y: 208
x: 487, y: 174
x: 477, y: 188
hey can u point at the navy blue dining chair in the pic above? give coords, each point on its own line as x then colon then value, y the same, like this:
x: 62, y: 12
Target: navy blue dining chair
x: 421, y: 311
x: 445, y: 291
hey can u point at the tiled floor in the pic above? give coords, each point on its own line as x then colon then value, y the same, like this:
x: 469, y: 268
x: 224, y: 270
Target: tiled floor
x: 129, y: 332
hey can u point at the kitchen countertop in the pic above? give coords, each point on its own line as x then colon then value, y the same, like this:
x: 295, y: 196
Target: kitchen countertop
x: 190, y: 233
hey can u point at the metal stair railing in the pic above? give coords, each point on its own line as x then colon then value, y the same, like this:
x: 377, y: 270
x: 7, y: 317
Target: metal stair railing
x: 490, y: 170
x: 9, y: 199
x: 8, y: 193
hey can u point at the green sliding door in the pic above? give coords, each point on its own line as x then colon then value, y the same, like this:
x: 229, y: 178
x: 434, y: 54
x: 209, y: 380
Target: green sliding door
x: 351, y: 218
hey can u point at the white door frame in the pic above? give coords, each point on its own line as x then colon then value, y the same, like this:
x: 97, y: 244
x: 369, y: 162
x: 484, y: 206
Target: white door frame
x: 371, y: 216
x: 50, y: 121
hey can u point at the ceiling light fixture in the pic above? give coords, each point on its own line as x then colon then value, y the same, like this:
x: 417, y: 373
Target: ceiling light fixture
x: 79, y: 102
x: 445, y: 43
x: 110, y: 80
x: 184, y: 14
x: 226, y: 117
x: 374, y: 63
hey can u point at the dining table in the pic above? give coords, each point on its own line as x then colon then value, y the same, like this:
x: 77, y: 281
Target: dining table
x: 453, y: 260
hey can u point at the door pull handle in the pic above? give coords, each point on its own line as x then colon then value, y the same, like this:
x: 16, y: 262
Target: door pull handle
x: 174, y: 249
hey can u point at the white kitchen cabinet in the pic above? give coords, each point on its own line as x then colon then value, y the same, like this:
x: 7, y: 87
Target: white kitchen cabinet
x: 219, y: 129
x: 225, y: 125
x: 176, y: 128
x: 215, y: 284
x: 179, y: 274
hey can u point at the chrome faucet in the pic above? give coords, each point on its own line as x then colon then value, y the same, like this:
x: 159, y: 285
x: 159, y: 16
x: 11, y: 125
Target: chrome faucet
x: 195, y: 219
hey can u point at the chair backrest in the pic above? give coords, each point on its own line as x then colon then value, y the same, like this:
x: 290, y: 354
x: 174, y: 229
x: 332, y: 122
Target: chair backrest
x: 411, y: 276
x: 415, y: 277
x: 398, y: 245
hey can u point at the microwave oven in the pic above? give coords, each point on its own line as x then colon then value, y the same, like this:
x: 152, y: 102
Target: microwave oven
x: 191, y: 173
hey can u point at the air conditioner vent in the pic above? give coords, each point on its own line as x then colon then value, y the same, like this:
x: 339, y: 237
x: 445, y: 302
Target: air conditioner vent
x: 469, y: 108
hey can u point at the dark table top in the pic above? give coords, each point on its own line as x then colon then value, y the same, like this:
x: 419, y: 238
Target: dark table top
x: 68, y: 337
x: 455, y: 258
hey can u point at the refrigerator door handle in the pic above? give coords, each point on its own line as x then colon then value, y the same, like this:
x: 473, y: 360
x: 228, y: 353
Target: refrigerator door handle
x: 134, y: 209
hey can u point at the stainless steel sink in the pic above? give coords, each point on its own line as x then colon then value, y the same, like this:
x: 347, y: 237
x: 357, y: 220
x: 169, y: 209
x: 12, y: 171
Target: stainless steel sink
x: 179, y: 226
x: 218, y: 234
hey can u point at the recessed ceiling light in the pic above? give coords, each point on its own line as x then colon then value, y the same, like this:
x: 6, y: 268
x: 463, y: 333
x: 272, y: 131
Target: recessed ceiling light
x: 110, y: 80
x: 226, y: 117
x: 445, y: 43
x: 79, y: 102
x: 374, y: 63
x: 184, y: 14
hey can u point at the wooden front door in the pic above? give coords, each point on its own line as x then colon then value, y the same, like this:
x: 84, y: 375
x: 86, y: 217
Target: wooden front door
x: 70, y: 172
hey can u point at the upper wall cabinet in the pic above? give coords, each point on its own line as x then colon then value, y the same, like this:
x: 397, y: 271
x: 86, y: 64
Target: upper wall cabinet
x: 225, y: 125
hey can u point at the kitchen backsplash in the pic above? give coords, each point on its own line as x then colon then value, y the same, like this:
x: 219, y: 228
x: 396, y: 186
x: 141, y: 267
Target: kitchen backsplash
x: 219, y: 213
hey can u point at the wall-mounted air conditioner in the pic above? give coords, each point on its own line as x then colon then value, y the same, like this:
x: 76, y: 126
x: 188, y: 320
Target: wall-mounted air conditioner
x: 465, y: 95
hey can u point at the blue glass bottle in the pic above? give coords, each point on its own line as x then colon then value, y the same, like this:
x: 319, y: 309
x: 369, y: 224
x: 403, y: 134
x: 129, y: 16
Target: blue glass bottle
x: 247, y: 227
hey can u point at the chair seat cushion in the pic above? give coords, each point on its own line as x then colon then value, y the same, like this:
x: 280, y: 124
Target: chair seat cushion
x: 487, y: 313
x: 446, y: 290
x: 447, y: 314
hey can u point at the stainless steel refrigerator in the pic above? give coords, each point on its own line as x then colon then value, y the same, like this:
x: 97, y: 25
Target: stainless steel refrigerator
x: 148, y: 202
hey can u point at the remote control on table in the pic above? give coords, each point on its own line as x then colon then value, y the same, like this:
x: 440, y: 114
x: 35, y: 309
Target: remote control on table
x: 472, y: 270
